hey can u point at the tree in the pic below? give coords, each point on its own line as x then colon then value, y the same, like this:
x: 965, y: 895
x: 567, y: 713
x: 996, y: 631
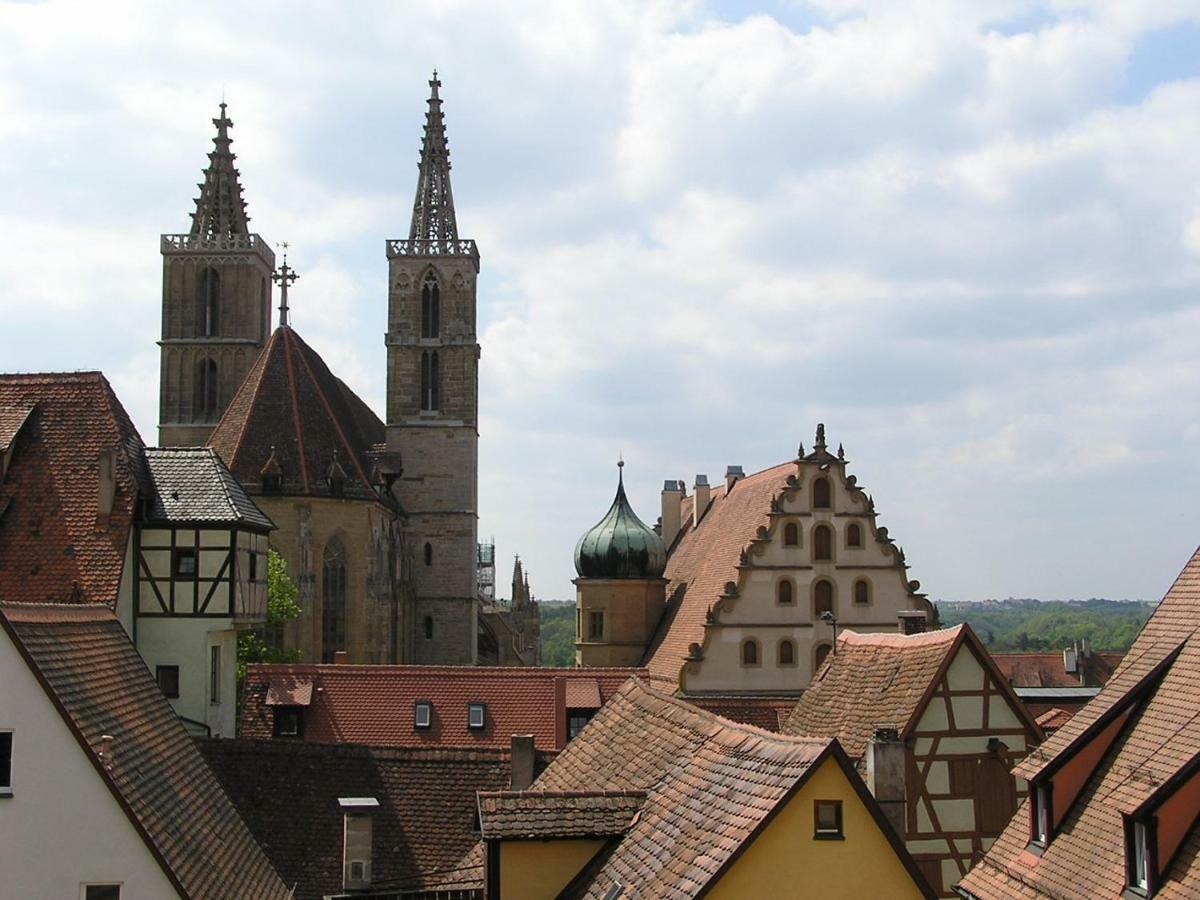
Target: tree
x: 265, y: 644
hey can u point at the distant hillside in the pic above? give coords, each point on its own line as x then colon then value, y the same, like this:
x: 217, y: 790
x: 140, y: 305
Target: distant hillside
x: 1026, y: 625
x: 558, y: 632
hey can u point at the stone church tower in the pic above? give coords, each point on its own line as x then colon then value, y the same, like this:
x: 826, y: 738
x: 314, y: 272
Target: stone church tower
x: 216, y: 303
x: 432, y: 401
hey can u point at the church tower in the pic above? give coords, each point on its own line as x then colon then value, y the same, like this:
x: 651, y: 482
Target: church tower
x: 216, y: 312
x: 432, y: 403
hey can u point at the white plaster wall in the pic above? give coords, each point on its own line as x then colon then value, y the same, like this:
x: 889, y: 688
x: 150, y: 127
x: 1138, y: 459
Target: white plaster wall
x: 62, y: 827
x: 185, y: 642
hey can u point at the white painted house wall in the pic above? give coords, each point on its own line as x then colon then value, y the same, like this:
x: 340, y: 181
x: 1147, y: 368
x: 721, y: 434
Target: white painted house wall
x: 62, y: 827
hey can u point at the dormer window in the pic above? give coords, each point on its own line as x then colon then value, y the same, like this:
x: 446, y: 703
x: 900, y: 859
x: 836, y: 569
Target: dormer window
x: 476, y: 716
x: 1042, y: 815
x: 422, y: 714
x: 289, y: 721
x: 1140, y: 862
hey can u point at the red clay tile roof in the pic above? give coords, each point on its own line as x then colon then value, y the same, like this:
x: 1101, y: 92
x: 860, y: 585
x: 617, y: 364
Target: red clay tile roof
x: 527, y: 815
x: 98, y: 682
x: 1048, y: 669
x: 767, y: 713
x: 1053, y: 719
x: 11, y: 420
x: 292, y: 402
x: 53, y: 548
x: 583, y: 693
x: 374, y: 704
x: 889, y: 678
x: 288, y: 792
x: 703, y: 559
x: 289, y: 691
x: 1160, y: 676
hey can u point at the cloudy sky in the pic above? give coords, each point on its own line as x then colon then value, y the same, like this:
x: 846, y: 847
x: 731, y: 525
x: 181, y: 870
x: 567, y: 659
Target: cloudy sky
x: 966, y: 236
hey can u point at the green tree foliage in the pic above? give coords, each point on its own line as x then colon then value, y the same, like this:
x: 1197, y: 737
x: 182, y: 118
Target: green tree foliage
x: 1034, y: 626
x: 558, y: 633
x: 265, y: 643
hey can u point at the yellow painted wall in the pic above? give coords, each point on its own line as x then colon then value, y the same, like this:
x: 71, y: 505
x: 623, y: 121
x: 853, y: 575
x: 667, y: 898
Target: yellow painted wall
x: 785, y: 860
x: 539, y: 870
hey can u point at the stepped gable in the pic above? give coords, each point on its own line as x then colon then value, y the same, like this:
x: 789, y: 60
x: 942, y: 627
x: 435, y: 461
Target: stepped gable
x: 54, y: 547
x: 1158, y: 683
x: 704, y: 559
x: 293, y: 408
x: 100, y: 686
x: 374, y: 704
x: 423, y: 826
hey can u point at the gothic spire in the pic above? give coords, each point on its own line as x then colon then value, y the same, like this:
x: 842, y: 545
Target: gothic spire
x: 220, y: 209
x: 433, y: 209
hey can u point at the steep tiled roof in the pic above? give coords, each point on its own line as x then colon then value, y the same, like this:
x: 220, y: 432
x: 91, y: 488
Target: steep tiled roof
x: 95, y: 678
x: 524, y: 815
x: 11, y: 420
x: 53, y: 547
x: 191, y: 484
x: 882, y: 681
x: 768, y: 713
x: 1048, y: 669
x: 292, y: 402
x: 704, y: 558
x: 1160, y: 678
x: 1053, y: 719
x: 288, y: 792
x: 374, y: 704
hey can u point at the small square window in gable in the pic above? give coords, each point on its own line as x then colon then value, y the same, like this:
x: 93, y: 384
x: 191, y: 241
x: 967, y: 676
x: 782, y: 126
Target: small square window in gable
x: 827, y: 819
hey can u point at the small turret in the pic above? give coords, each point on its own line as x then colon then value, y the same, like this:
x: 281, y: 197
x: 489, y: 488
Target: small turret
x: 620, y: 545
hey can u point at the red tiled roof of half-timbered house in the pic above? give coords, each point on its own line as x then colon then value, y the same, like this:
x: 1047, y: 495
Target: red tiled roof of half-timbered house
x: 55, y: 545
x: 1156, y: 689
x: 1035, y: 670
x: 375, y: 705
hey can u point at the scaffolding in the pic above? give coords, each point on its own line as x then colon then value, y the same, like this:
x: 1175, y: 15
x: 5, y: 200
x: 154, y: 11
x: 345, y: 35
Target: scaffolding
x: 485, y: 568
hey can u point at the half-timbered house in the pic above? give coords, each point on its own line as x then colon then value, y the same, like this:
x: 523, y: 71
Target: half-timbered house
x: 936, y: 730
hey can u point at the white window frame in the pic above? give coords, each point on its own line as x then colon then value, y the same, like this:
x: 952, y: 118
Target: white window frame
x: 472, y: 709
x: 426, y: 707
x: 1141, y: 856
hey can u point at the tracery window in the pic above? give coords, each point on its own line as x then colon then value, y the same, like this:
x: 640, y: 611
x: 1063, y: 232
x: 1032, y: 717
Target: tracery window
x: 333, y: 600
x: 431, y: 312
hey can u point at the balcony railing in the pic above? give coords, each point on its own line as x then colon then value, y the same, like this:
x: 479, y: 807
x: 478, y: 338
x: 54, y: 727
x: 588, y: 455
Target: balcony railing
x: 432, y: 247
x: 219, y: 243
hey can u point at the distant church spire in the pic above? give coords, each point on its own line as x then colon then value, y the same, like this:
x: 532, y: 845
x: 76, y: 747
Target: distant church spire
x: 433, y: 210
x: 220, y: 209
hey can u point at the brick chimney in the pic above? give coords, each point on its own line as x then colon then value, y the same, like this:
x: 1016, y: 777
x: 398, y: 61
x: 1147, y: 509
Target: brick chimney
x: 672, y: 512
x: 885, y: 776
x: 911, y: 621
x: 522, y: 762
x: 732, y: 474
x: 358, y: 819
x: 340, y: 658
x: 700, y: 501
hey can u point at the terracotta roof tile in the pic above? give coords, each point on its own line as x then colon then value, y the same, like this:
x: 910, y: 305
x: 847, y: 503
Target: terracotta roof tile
x: 519, y: 815
x: 583, y: 693
x: 100, y: 685
x: 287, y: 791
x: 1053, y: 719
x: 1048, y: 669
x: 1160, y: 678
x: 768, y: 713
x: 374, y: 704
x: 53, y: 546
x: 292, y: 402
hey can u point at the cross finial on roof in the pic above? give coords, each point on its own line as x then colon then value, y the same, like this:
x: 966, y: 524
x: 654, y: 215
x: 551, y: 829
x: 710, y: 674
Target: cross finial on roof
x: 284, y: 276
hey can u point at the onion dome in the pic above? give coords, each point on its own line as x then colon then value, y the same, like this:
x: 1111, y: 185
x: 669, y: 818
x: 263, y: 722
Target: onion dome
x: 620, y: 545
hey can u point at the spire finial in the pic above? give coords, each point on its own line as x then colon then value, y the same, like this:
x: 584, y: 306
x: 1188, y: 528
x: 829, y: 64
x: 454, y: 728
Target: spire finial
x: 433, y: 209
x: 434, y: 84
x: 220, y: 209
x: 284, y: 276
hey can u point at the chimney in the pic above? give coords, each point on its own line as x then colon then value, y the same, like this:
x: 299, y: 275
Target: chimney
x: 1071, y: 661
x: 108, y: 484
x: 912, y: 621
x: 340, y: 658
x: 885, y: 776
x: 672, y: 514
x: 105, y: 753
x: 1085, y: 649
x: 522, y: 762
x: 700, y: 500
x: 357, y: 815
x: 732, y: 474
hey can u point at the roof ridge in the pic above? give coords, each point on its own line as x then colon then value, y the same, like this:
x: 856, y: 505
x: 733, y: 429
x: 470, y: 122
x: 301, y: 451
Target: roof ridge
x: 217, y: 466
x: 633, y: 793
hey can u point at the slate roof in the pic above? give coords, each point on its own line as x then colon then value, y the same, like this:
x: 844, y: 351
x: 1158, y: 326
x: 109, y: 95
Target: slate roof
x: 374, y: 704
x: 291, y: 402
x: 1048, y: 670
x: 287, y: 791
x: 882, y: 681
x: 1160, y: 677
x: 100, y: 686
x: 529, y: 815
x: 53, y: 547
x: 191, y: 484
x: 710, y: 786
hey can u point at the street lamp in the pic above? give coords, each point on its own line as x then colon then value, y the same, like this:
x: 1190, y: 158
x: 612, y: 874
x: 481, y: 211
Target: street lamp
x: 829, y: 618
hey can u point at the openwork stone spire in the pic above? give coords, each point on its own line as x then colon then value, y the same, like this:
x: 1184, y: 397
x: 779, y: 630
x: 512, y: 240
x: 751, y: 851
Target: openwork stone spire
x: 220, y: 209
x: 433, y: 209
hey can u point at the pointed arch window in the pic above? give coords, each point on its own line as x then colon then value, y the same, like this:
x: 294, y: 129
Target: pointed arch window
x: 206, y: 390
x: 822, y: 597
x: 820, y: 654
x: 791, y: 535
x: 208, y: 296
x: 821, y: 494
x: 430, y: 381
x: 431, y: 308
x: 333, y: 599
x: 785, y: 594
x: 787, y: 653
x: 823, y: 543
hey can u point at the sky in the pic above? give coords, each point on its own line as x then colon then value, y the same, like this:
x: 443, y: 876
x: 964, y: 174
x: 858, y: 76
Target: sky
x: 964, y: 236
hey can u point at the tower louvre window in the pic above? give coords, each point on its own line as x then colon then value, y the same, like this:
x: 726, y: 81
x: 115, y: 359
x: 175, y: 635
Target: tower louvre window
x: 333, y: 598
x: 431, y: 312
x: 208, y: 293
x: 430, y: 381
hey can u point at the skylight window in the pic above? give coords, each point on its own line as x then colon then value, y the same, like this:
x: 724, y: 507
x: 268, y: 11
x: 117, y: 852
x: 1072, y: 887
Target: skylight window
x: 423, y: 714
x: 476, y: 715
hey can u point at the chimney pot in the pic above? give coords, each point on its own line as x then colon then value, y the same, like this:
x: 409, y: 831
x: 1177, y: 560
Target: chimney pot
x: 340, y: 658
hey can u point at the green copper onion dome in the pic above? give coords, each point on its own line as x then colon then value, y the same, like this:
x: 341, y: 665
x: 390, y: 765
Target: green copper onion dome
x: 620, y: 545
